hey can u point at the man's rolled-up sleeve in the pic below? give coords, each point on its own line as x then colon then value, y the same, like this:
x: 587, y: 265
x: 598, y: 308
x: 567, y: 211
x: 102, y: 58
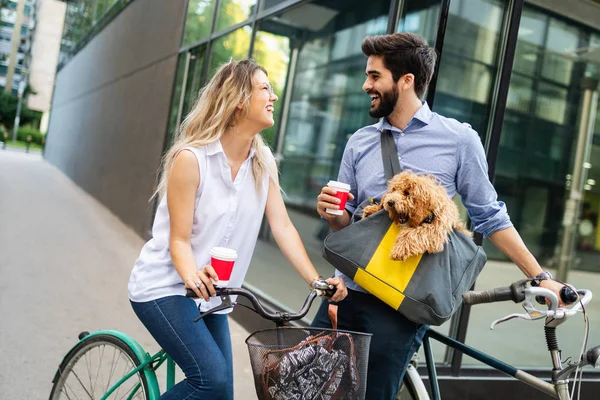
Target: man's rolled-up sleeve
x: 487, y: 213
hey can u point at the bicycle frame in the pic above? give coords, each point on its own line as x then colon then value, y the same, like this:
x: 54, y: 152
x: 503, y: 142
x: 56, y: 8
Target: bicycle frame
x: 558, y: 391
x: 148, y: 364
x: 151, y: 365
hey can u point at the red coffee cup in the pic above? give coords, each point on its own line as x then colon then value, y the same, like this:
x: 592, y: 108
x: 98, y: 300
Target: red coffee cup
x: 222, y: 260
x: 342, y: 190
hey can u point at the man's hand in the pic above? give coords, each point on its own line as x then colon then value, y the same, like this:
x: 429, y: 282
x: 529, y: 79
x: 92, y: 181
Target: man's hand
x: 555, y: 287
x: 341, y: 292
x: 327, y: 200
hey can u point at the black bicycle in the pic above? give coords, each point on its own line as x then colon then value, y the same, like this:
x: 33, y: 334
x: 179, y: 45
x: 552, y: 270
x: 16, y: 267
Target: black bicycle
x: 413, y: 387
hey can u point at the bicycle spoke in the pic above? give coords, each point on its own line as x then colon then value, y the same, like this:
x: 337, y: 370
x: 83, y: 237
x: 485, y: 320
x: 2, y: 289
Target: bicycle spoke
x: 112, y: 364
x: 127, y: 392
x: 81, y: 383
x: 64, y: 389
x: 122, y: 375
x: 88, y: 364
x: 99, y: 364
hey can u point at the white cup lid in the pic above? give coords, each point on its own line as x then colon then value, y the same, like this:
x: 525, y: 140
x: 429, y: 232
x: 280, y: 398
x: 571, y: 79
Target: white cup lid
x: 339, y: 185
x: 223, y: 253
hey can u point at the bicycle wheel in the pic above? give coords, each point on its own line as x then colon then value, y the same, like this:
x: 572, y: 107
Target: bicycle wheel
x: 94, y: 366
x: 412, y: 387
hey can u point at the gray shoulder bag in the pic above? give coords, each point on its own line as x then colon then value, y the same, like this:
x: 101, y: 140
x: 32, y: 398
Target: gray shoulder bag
x: 426, y: 289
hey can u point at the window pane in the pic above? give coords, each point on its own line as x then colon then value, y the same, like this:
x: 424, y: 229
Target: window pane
x: 272, y: 51
x: 236, y: 45
x: 233, y: 12
x: 562, y: 41
x: 194, y: 78
x: 173, y: 122
x: 421, y: 18
x: 551, y: 102
x: 530, y: 41
x: 473, y: 29
x: 520, y: 94
x: 469, y: 62
x: 198, y: 21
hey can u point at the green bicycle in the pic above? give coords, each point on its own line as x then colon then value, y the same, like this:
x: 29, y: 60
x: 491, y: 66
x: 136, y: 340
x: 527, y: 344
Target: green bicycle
x: 109, y: 364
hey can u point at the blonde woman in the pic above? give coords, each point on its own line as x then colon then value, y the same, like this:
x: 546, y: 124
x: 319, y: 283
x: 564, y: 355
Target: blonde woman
x: 219, y: 180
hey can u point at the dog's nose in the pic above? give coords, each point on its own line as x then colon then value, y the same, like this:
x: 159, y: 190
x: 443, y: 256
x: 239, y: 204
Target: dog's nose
x: 391, y: 203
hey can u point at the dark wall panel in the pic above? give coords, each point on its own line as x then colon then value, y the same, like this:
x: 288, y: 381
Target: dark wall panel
x: 111, y: 105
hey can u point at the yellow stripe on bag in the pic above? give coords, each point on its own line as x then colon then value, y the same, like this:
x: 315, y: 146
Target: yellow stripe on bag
x: 382, y: 269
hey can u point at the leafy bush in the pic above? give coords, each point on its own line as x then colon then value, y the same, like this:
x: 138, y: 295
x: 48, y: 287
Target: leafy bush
x: 36, y: 136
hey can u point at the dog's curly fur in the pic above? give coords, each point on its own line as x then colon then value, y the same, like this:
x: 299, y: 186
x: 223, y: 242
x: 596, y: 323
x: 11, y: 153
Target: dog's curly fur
x: 425, y: 211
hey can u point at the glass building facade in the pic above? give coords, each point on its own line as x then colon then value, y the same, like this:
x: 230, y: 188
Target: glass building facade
x: 524, y: 96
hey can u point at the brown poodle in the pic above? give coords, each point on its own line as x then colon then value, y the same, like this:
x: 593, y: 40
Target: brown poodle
x: 425, y: 211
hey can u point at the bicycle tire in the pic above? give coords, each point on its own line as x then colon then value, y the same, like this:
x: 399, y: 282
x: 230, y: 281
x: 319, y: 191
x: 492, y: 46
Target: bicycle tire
x: 412, y: 387
x: 103, y: 345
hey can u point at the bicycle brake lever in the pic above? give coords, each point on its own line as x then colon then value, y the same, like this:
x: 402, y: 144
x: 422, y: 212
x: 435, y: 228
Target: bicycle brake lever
x: 225, y: 304
x: 512, y: 316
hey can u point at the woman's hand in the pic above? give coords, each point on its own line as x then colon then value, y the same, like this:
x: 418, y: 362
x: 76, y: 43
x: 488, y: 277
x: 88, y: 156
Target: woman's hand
x: 201, y: 282
x: 341, y: 292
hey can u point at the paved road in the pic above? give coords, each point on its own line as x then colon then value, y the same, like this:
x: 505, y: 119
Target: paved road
x: 64, y: 265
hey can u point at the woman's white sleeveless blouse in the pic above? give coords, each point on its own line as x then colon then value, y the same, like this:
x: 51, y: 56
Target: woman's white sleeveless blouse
x: 227, y: 214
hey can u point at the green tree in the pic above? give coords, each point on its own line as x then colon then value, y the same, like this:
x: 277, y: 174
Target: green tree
x: 198, y: 21
x: 8, y: 111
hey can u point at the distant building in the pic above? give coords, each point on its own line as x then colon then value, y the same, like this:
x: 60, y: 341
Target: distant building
x: 8, y: 18
x: 45, y: 50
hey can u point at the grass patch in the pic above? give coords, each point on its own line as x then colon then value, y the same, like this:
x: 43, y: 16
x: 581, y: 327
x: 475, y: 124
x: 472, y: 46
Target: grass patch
x: 22, y: 145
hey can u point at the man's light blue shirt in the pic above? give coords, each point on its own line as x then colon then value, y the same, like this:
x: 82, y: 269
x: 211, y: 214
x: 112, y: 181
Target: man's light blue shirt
x: 430, y: 144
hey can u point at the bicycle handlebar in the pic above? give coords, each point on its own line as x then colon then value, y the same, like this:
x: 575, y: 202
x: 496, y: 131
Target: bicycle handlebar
x: 322, y: 288
x: 518, y: 291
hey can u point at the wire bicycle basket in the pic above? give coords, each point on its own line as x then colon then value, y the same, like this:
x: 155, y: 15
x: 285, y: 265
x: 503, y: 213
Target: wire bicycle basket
x: 293, y: 363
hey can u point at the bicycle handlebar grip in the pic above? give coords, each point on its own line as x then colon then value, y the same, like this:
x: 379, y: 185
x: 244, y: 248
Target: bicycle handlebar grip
x: 473, y: 297
x: 191, y: 294
x: 329, y: 292
x: 567, y: 296
x: 489, y: 296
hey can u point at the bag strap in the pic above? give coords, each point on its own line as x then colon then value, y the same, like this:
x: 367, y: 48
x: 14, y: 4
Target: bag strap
x: 389, y: 155
x: 391, y: 166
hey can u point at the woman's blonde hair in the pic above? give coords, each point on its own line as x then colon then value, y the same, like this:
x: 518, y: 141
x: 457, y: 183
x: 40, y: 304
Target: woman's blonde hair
x: 216, y: 110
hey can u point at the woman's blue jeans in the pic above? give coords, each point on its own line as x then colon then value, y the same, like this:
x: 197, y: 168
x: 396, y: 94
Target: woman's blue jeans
x: 202, y: 349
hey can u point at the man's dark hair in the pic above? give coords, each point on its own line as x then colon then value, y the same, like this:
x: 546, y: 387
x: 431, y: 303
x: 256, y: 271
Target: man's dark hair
x: 404, y: 53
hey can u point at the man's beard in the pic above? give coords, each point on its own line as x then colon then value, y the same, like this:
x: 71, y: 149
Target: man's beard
x: 387, y: 102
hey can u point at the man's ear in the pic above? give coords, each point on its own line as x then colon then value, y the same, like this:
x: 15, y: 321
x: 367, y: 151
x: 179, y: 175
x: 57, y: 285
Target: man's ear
x: 406, y: 81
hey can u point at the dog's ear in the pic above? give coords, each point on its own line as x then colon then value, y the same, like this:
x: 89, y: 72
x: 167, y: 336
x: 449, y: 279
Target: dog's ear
x: 395, y: 182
